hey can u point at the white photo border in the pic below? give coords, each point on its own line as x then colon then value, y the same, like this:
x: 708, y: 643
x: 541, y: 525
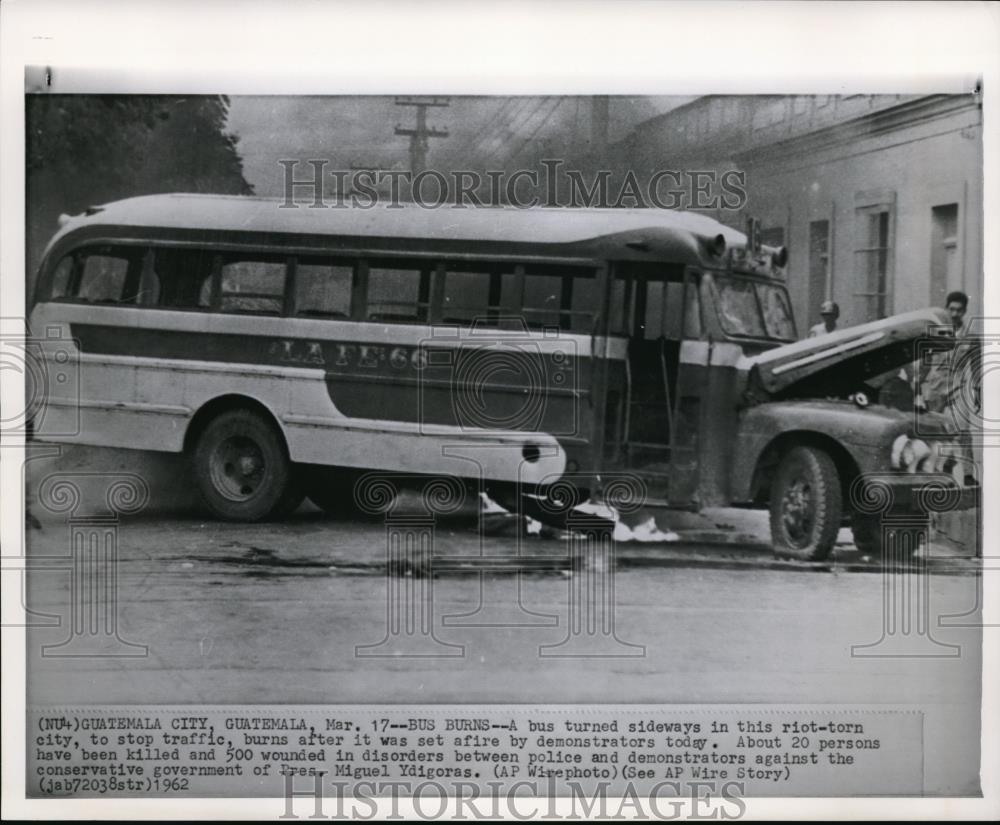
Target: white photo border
x: 286, y: 47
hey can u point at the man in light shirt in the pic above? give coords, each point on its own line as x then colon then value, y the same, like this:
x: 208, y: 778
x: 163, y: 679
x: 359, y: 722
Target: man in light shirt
x: 942, y: 376
x: 829, y: 312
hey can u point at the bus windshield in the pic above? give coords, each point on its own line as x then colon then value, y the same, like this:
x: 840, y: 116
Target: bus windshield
x: 754, y: 309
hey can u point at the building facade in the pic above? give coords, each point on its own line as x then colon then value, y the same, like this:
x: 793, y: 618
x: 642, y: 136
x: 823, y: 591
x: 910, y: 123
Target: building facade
x: 878, y: 197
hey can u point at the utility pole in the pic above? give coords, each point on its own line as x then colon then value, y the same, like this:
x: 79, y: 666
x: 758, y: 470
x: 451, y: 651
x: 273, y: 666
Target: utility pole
x: 420, y: 133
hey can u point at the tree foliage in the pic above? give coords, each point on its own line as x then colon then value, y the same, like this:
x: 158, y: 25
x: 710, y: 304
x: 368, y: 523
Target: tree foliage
x: 128, y: 145
x: 90, y: 149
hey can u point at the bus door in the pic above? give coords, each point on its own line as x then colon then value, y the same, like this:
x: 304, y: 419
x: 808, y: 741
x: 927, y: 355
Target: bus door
x: 653, y: 423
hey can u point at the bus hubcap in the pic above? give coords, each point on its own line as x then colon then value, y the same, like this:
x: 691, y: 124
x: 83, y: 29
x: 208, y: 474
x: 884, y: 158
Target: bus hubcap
x: 797, y: 511
x: 237, y: 468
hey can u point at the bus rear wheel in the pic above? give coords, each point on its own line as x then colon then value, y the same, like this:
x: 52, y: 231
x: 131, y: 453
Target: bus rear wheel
x: 242, y: 468
x: 806, y: 505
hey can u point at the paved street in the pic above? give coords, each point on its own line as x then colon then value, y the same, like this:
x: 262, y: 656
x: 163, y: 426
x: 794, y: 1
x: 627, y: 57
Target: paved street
x: 274, y: 612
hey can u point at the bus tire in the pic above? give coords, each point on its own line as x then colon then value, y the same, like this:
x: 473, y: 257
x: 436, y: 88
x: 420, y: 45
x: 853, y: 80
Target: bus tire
x: 806, y: 505
x: 242, y: 468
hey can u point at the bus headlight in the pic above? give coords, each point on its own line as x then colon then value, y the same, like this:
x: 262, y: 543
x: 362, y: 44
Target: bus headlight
x: 908, y: 453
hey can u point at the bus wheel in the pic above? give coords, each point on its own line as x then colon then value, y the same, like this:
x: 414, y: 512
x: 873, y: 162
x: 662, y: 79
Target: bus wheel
x: 806, y: 505
x: 242, y: 468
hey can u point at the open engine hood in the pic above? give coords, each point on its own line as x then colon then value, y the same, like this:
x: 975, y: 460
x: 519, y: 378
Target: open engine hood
x: 847, y: 354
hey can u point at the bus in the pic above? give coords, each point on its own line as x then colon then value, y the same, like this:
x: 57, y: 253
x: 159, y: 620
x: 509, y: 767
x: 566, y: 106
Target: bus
x: 287, y: 349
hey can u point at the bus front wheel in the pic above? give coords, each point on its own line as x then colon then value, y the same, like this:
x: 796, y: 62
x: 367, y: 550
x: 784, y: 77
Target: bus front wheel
x: 806, y: 505
x: 242, y: 468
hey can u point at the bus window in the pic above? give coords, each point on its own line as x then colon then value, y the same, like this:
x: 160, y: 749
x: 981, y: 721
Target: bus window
x: 62, y: 278
x: 398, y: 293
x: 480, y: 296
x: 542, y: 300
x: 739, y: 311
x: 183, y: 279
x: 777, y: 312
x: 560, y: 296
x: 254, y: 286
x: 753, y: 308
x: 100, y: 276
x: 323, y: 289
x: 656, y: 298
x: 620, y: 309
x: 466, y: 297
x: 692, y: 312
x: 103, y: 279
x: 664, y: 310
x: 584, y: 303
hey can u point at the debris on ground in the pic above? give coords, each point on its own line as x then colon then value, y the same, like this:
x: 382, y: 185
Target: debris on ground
x: 647, y: 532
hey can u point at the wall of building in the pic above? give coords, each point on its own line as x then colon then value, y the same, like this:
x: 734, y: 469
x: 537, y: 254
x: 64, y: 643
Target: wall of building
x: 931, y: 159
x: 842, y: 160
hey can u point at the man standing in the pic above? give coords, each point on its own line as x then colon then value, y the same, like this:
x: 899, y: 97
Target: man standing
x: 950, y: 383
x: 829, y: 312
x: 941, y: 376
x: 957, y: 305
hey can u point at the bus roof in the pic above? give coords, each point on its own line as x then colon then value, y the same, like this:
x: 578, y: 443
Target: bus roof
x: 681, y: 235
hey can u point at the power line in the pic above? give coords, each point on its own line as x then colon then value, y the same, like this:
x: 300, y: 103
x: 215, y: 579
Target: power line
x: 529, y: 138
x: 486, y: 146
x: 513, y: 127
x: 420, y: 133
x: 481, y: 132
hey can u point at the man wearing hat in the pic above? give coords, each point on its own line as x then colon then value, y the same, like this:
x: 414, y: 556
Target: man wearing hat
x: 829, y: 312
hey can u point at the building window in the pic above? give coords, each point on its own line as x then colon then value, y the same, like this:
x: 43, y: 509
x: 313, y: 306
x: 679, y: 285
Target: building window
x: 819, y: 267
x: 873, y: 254
x: 944, y: 252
